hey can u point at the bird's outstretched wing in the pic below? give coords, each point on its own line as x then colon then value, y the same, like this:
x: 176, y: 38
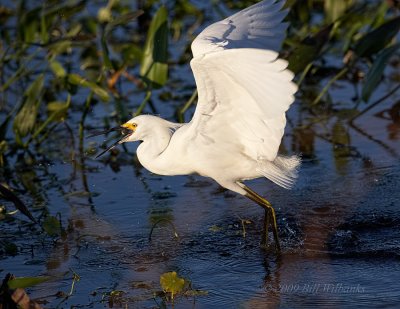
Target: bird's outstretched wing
x: 258, y: 26
x: 244, y: 90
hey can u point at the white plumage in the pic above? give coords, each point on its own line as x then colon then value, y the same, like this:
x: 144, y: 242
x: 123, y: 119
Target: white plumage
x: 258, y: 26
x: 244, y: 90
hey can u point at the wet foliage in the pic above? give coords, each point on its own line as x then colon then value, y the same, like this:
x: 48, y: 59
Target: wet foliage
x: 68, y: 68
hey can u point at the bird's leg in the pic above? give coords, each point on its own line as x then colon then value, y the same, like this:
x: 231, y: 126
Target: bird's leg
x: 269, y: 211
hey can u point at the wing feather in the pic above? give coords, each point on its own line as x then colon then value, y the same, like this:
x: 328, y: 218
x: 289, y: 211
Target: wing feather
x: 258, y: 26
x: 244, y: 90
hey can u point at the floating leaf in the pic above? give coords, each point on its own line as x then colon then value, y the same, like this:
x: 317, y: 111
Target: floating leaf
x: 78, y: 80
x: 52, y: 226
x: 377, y: 39
x: 154, y: 67
x: 215, y: 228
x: 25, y: 282
x: 374, y: 75
x: 171, y: 283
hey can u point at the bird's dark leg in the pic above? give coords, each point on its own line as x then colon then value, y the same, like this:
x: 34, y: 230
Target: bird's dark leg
x: 269, y: 212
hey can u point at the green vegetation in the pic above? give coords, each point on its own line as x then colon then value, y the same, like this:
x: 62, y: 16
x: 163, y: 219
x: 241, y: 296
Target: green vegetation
x: 172, y: 283
x: 60, y: 61
x: 64, y: 58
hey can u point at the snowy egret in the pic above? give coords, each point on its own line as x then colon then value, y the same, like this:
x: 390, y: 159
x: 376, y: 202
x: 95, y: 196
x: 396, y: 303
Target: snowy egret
x: 244, y: 90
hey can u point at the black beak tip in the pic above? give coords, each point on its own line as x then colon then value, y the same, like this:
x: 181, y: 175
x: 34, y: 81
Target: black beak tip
x: 124, y: 131
x: 104, y: 132
x: 99, y: 155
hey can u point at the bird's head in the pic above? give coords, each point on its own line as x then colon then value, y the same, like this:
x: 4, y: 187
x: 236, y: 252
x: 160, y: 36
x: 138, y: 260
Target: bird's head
x: 136, y: 129
x: 130, y: 131
x: 140, y: 127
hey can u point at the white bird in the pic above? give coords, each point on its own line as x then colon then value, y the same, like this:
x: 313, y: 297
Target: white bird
x: 244, y: 90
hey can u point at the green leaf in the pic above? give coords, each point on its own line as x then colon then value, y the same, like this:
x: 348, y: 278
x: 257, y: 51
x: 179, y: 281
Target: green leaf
x: 374, y: 75
x: 3, y: 148
x: 65, y: 9
x: 52, y: 226
x: 36, y: 87
x: 10, y: 196
x: 25, y: 282
x: 308, y: 50
x: 25, y: 120
x: 171, y: 283
x: 104, y: 14
x: 154, y: 67
x: 78, y: 80
x: 334, y: 9
x: 57, y: 68
x: 57, y: 110
x: 377, y: 39
x: 4, y: 127
x: 106, y: 53
x: 74, y: 30
x: 60, y: 47
x: 122, y: 20
x: 44, y: 31
x: 131, y: 54
x: 28, y: 25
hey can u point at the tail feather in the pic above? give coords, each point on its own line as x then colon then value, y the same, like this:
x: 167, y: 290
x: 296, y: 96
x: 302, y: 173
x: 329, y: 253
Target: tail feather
x: 282, y: 171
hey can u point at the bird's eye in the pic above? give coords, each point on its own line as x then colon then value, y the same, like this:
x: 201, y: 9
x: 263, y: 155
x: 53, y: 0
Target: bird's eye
x: 134, y: 125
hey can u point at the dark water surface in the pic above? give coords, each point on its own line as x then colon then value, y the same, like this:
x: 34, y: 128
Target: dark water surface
x: 339, y: 229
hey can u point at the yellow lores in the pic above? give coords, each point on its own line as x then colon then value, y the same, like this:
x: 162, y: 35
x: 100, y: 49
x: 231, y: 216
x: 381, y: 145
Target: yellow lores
x: 244, y: 91
x: 130, y: 126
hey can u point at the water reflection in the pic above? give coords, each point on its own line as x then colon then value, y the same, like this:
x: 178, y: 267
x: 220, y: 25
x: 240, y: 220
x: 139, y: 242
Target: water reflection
x: 393, y: 117
x: 328, y: 230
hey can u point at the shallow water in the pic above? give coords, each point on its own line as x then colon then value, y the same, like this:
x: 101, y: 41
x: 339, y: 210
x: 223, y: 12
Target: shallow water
x: 339, y: 229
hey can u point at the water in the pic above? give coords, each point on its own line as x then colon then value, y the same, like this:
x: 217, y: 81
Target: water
x: 339, y: 229
x: 339, y: 226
